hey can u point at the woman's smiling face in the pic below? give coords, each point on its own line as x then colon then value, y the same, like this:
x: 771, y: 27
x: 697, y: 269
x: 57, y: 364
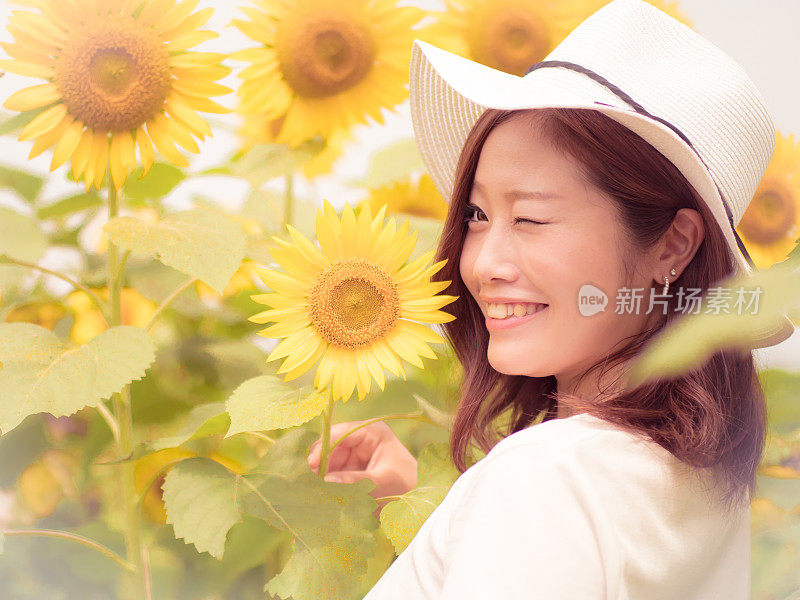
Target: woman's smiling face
x: 525, y: 249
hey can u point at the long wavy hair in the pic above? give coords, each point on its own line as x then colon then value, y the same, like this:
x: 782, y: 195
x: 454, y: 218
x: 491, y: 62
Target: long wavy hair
x: 711, y: 417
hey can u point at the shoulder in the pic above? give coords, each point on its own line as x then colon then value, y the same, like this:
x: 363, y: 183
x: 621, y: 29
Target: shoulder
x: 579, y: 456
x: 582, y: 435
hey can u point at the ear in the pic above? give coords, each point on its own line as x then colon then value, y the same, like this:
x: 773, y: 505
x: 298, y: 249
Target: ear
x: 678, y: 245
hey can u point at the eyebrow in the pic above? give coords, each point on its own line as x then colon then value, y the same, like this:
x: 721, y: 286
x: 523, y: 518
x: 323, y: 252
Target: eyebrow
x: 523, y: 194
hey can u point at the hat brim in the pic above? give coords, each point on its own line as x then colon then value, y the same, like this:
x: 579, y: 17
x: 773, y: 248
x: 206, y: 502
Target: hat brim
x: 448, y: 93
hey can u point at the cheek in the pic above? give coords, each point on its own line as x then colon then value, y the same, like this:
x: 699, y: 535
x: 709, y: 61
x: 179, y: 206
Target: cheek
x: 465, y: 266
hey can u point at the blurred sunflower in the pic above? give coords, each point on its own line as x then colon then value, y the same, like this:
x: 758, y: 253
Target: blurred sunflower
x: 45, y: 314
x: 136, y: 310
x: 771, y: 223
x: 244, y: 279
x: 353, y: 303
x: 322, y: 67
x: 511, y: 35
x: 404, y: 197
x: 119, y: 77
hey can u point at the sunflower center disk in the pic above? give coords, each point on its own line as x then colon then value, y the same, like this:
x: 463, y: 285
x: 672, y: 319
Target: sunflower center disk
x: 511, y: 40
x: 114, y: 75
x: 353, y: 303
x: 771, y: 215
x: 327, y: 55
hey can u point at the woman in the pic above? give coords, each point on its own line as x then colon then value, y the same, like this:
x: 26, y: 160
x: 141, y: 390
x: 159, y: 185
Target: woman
x: 598, y: 489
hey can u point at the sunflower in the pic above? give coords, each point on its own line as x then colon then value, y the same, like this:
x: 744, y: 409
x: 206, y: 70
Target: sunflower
x: 771, y: 223
x: 322, y: 67
x: 511, y: 35
x: 136, y: 310
x: 118, y: 77
x: 421, y: 200
x: 355, y: 303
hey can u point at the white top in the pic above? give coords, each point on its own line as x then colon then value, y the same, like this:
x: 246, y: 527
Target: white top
x: 575, y: 508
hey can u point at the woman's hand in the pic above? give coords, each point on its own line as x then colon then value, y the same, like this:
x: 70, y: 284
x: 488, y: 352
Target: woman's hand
x: 372, y: 452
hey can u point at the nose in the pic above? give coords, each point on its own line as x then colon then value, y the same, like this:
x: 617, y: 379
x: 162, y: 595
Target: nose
x: 494, y: 258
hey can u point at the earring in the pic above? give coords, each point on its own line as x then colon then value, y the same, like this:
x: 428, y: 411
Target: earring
x: 672, y: 272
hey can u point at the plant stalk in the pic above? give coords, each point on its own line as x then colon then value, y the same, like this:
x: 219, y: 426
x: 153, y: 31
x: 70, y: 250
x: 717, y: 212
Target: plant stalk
x: 325, y: 450
x: 136, y: 587
x: 66, y: 535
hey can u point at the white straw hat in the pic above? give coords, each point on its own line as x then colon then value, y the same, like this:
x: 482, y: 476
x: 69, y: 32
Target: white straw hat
x: 639, y: 66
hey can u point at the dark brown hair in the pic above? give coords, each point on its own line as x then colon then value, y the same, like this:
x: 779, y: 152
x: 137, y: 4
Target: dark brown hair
x: 713, y: 416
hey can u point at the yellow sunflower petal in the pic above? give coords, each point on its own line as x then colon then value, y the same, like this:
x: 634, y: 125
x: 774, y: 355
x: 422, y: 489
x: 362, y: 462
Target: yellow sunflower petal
x: 44, y: 141
x: 43, y: 122
x: 312, y: 346
x: 118, y: 171
x: 33, y: 97
x: 65, y: 148
x: 146, y: 151
x: 80, y: 157
x: 188, y: 40
x: 398, y: 343
x: 327, y: 367
x: 279, y: 314
x: 306, y: 365
x: 283, y: 283
x: 180, y: 111
x: 285, y: 327
x: 127, y: 149
x: 287, y: 346
x: 347, y: 374
x: 275, y: 300
x: 28, y: 69
x: 101, y: 158
x: 164, y: 144
x: 374, y: 367
x: 328, y: 234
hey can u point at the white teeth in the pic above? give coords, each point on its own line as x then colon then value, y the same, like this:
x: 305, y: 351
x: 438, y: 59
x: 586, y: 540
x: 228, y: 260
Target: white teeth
x: 503, y: 311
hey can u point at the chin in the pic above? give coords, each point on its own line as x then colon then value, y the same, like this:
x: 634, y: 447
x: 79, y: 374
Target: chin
x: 512, y: 362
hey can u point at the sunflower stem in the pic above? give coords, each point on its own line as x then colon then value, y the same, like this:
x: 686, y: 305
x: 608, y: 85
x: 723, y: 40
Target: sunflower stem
x: 288, y: 213
x: 166, y: 302
x: 325, y: 450
x: 136, y: 583
x: 66, y: 535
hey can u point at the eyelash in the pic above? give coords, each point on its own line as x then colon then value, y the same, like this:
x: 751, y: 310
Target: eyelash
x: 469, y: 209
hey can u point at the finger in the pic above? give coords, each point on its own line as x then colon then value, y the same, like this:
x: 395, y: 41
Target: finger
x: 347, y: 476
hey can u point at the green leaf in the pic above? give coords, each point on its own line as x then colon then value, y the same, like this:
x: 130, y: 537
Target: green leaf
x: 332, y: 523
x: 200, y: 498
x: 402, y: 518
x: 692, y: 338
x: 38, y: 373
x: 159, y: 181
x: 265, y: 162
x: 202, y: 243
x: 390, y: 164
x: 202, y: 421
x: 24, y: 183
x: 20, y: 236
x: 19, y: 120
x: 69, y: 205
x: 266, y: 402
